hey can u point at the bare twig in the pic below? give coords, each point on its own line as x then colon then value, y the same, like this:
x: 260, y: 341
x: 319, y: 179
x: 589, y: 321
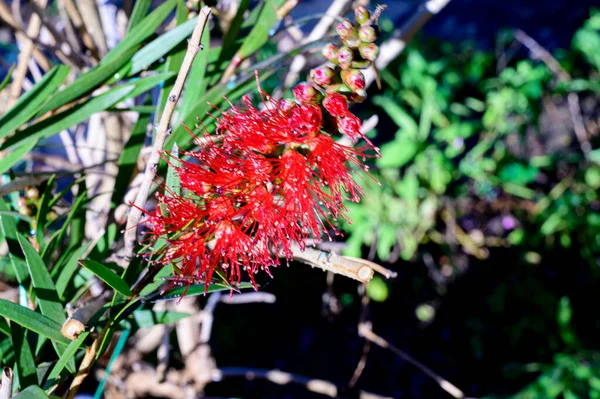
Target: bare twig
x: 135, y: 211
x: 365, y: 331
x: 540, y: 53
x: 390, y: 49
x: 6, y: 383
x: 279, y: 377
x: 33, y: 30
x: 330, y: 261
x: 75, y: 16
x: 84, y: 368
x: 76, y: 323
x: 91, y: 17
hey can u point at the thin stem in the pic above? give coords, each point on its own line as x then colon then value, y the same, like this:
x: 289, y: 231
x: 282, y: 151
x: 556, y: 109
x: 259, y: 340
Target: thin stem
x: 135, y: 212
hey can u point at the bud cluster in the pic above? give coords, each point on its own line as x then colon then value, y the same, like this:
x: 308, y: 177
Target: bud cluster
x: 340, y: 82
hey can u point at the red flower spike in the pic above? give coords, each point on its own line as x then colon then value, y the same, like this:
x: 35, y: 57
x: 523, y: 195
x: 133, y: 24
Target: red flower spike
x: 336, y: 104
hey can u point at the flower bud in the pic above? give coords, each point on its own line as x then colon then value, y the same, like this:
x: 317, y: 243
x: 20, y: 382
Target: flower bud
x: 344, y: 28
x: 25, y: 210
x: 369, y: 51
x: 32, y: 193
x: 354, y: 79
x: 306, y: 92
x: 336, y: 104
x: 350, y: 125
x: 367, y: 34
x: 361, y: 14
x: 330, y: 52
x: 352, y: 41
x: 345, y: 57
x: 323, y: 75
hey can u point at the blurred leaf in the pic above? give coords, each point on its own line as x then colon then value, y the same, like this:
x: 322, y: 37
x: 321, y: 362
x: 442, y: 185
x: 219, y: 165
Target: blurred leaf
x: 140, y: 9
x: 67, y: 272
x: 398, y: 152
x: 377, y: 289
x: 386, y: 238
x: 15, y: 156
x: 228, y: 47
x: 32, y: 392
x: 7, y: 78
x: 66, y: 119
x: 68, y: 354
x: 518, y: 173
x: 107, y: 275
x: 160, y: 46
x: 143, y: 29
x: 259, y: 34
x: 26, y: 369
x: 144, y: 84
x: 32, y: 321
x: 32, y: 100
x: 42, y: 212
x: 149, y: 318
x: 408, y: 126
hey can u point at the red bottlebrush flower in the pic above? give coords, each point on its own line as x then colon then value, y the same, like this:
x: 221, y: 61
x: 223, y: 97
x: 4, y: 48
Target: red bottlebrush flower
x: 336, y: 104
x: 305, y: 120
x: 306, y: 93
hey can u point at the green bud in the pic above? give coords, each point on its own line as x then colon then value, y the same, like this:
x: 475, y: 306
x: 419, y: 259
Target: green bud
x: 361, y: 14
x: 330, y: 52
x: 344, y: 28
x: 367, y: 34
x: 369, y: 51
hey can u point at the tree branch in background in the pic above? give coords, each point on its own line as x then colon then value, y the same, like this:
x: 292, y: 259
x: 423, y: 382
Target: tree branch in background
x: 540, y: 53
x: 365, y: 331
x: 392, y: 48
x: 135, y: 212
x: 6, y: 383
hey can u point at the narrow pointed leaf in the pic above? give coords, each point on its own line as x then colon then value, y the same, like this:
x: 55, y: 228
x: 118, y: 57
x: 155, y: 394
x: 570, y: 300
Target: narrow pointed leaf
x: 15, y: 156
x: 8, y: 228
x: 140, y: 9
x: 107, y: 275
x: 32, y: 392
x: 26, y: 369
x: 173, y: 184
x: 66, y: 119
x: 33, y: 321
x: 7, y: 77
x: 31, y: 101
x: 67, y: 355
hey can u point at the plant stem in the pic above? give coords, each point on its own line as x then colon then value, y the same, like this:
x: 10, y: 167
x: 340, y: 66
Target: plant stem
x: 135, y: 212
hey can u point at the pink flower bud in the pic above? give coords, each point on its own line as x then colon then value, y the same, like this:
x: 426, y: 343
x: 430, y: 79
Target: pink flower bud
x: 344, y: 28
x: 323, y: 75
x: 350, y: 125
x: 306, y: 92
x: 367, y: 34
x: 361, y: 14
x: 330, y: 51
x: 345, y: 57
x: 354, y: 79
x: 336, y: 104
x: 369, y: 51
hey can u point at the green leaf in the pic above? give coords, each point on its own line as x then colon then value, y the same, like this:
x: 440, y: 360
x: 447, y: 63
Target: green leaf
x: 172, y: 183
x: 26, y: 369
x: 107, y: 275
x: 67, y: 272
x: 7, y: 77
x: 84, y: 84
x: 66, y: 119
x: 68, y: 354
x: 8, y: 228
x: 144, y: 84
x: 197, y: 82
x: 377, y: 289
x: 43, y: 285
x: 33, y: 321
x: 397, y: 153
x: 140, y: 9
x: 259, y: 34
x: 144, y: 28
x: 149, y: 318
x: 57, y: 237
x: 8, y: 161
x: 42, y: 212
x: 4, y: 327
x: 405, y: 122
x: 194, y: 290
x: 161, y: 46
x: 32, y: 100
x: 32, y: 392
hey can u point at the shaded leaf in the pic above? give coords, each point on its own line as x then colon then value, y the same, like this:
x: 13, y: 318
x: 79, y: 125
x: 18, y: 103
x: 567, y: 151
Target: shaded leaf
x: 68, y: 354
x: 32, y: 392
x: 26, y: 369
x: 9, y: 160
